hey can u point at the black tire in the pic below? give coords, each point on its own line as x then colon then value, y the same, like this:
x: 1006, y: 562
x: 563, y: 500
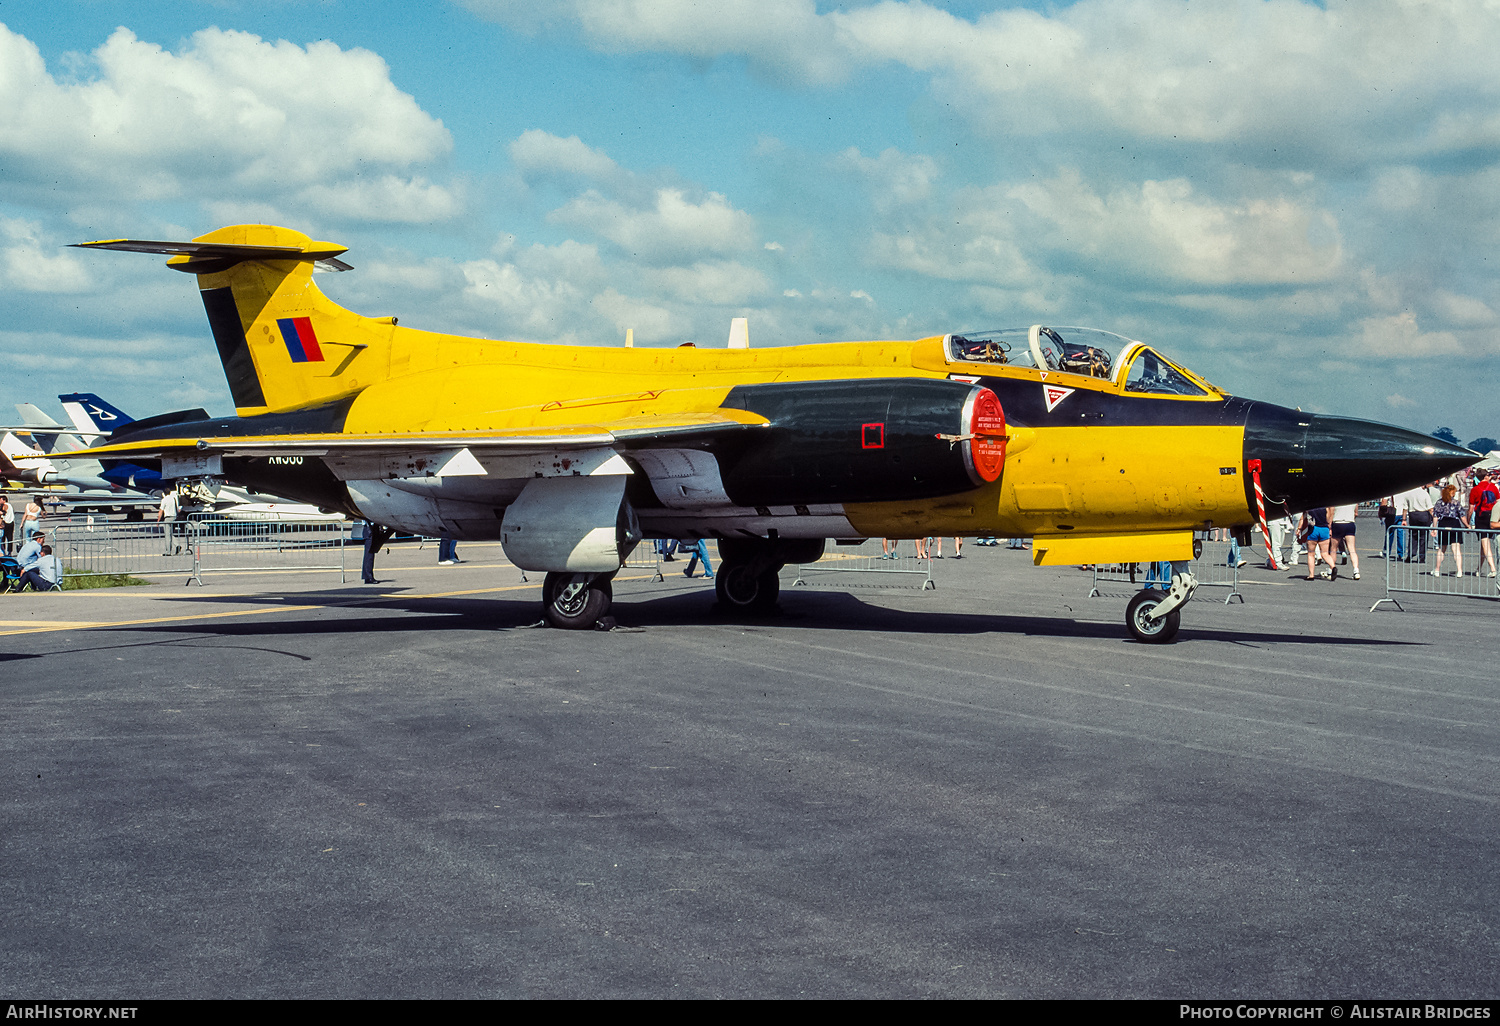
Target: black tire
x: 581, y: 609
x: 1144, y: 630
x: 739, y: 591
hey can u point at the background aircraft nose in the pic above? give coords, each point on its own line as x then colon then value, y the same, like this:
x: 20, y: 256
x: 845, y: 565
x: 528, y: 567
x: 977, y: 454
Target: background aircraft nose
x: 1316, y: 460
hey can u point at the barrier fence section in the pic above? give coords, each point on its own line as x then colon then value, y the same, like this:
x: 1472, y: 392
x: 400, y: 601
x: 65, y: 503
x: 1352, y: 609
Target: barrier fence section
x: 200, y: 544
x: 1211, y: 567
x: 866, y: 566
x: 647, y: 556
x: 1440, y: 561
x: 95, y: 545
x: 223, y: 545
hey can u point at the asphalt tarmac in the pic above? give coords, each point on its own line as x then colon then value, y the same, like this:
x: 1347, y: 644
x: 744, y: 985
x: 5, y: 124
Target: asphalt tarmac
x: 282, y: 786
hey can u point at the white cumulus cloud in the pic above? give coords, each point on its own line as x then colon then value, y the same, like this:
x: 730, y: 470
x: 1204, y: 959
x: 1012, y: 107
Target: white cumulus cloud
x: 673, y: 226
x: 229, y: 114
x: 33, y: 265
x: 536, y: 152
x: 1165, y: 229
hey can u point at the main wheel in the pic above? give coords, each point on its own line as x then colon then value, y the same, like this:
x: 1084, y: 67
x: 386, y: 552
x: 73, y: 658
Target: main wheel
x: 1145, y: 629
x: 743, y: 592
x: 576, y: 601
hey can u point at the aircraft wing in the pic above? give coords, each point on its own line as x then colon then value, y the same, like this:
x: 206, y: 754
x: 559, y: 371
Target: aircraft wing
x: 441, y: 453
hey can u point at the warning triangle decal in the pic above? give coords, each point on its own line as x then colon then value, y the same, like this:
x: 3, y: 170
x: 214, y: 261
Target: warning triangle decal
x: 1055, y: 394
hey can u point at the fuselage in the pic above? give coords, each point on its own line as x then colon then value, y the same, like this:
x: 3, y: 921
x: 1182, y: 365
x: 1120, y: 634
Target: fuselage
x: 1085, y: 455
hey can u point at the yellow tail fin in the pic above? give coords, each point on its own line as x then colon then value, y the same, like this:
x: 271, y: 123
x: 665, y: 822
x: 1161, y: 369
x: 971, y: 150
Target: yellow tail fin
x: 283, y: 343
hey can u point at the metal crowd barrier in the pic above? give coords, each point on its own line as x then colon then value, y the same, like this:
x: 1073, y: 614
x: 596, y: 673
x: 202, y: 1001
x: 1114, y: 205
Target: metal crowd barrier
x: 866, y: 566
x: 95, y: 545
x: 202, y: 543
x: 1211, y: 568
x: 224, y: 545
x: 646, y: 556
x: 1417, y: 573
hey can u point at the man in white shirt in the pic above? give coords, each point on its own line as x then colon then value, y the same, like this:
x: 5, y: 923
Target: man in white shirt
x: 167, y: 513
x: 1414, y: 509
x: 1281, y: 530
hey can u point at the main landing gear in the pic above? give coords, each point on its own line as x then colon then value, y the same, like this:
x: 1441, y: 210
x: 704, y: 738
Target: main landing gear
x: 1154, y: 616
x: 747, y: 582
x: 575, y: 601
x: 748, y: 579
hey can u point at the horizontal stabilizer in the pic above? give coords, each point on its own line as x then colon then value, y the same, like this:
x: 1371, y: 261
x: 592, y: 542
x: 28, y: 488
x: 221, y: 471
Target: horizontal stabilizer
x: 210, y: 257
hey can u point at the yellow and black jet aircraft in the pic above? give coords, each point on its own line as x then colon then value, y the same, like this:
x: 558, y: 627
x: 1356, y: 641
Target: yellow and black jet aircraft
x: 1100, y: 448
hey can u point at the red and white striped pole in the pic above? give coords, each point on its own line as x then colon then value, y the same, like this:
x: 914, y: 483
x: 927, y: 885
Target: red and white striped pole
x: 1260, y: 508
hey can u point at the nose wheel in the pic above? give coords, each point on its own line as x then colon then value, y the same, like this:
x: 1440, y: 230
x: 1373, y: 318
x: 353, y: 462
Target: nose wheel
x: 1145, y: 624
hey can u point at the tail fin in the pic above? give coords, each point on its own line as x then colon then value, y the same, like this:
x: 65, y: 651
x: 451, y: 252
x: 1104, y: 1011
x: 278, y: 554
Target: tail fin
x: 91, y: 415
x: 283, y: 343
x: 15, y: 449
x: 49, y: 438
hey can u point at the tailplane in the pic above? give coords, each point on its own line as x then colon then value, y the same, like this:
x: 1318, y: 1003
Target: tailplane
x: 283, y: 344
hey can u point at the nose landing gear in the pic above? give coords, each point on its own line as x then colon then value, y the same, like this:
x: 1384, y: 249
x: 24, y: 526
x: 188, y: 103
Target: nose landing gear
x: 1152, y: 616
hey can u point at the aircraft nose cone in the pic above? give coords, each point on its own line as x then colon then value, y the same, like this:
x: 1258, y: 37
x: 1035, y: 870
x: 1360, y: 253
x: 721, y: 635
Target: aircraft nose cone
x: 1315, y: 460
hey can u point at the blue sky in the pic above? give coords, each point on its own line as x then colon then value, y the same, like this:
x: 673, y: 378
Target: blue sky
x: 1300, y: 201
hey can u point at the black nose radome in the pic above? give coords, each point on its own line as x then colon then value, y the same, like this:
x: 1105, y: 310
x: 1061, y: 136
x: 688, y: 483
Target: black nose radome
x: 1316, y: 460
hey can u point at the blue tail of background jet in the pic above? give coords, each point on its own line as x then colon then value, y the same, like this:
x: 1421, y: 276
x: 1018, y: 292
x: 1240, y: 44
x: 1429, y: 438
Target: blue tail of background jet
x: 93, y: 416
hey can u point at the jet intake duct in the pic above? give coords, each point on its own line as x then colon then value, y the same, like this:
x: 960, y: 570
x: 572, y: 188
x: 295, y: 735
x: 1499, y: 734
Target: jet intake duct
x: 573, y: 524
x: 869, y: 440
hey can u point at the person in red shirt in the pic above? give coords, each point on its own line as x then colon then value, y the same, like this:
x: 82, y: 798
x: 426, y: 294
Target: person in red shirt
x: 1482, y: 499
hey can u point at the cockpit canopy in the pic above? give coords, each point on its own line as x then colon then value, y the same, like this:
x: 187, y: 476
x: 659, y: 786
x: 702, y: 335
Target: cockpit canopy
x: 1084, y: 351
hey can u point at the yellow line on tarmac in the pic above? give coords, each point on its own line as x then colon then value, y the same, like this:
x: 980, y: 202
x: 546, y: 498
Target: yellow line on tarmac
x: 50, y: 626
x: 160, y: 619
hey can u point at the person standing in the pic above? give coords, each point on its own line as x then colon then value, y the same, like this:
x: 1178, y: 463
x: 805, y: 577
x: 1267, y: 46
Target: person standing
x: 1482, y: 499
x: 1414, y: 508
x: 7, y: 525
x: 31, y: 520
x: 1394, y: 544
x: 1281, y: 529
x: 1450, y: 516
x: 1314, y: 528
x: 447, y: 550
x: 1341, y: 525
x: 166, y: 514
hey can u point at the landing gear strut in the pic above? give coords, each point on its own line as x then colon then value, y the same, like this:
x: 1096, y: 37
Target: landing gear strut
x: 1153, y: 616
x: 576, y: 601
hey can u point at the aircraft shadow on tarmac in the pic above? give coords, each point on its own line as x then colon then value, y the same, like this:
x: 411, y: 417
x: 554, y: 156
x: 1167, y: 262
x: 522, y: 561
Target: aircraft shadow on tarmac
x: 806, y: 610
